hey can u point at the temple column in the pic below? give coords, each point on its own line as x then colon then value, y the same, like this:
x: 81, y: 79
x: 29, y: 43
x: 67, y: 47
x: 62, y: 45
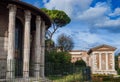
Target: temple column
x: 26, y: 52
x: 106, y: 61
x: 100, y: 61
x: 42, y: 49
x: 113, y: 61
x: 11, y: 42
x: 93, y: 62
x: 37, y: 47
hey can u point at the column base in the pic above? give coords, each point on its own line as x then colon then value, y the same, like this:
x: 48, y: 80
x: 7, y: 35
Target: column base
x: 106, y: 72
x: 10, y: 69
x: 42, y: 71
x: 32, y: 79
x: 25, y: 74
x: 37, y: 70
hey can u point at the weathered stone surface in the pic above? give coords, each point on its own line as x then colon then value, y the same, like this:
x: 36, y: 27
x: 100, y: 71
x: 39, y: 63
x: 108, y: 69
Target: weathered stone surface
x: 26, y: 44
x: 42, y: 66
x: 11, y: 18
x: 37, y: 47
x: 11, y: 41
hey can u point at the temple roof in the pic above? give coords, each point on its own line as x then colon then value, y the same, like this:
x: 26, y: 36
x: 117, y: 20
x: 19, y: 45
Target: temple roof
x: 77, y: 51
x: 32, y: 8
x: 103, y: 47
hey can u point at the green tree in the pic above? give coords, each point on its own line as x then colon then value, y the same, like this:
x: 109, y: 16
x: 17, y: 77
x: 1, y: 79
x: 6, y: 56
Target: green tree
x: 80, y: 63
x: 58, y: 18
x: 58, y: 57
x: 49, y: 45
x: 65, y: 43
x: 57, y: 62
x: 116, y: 63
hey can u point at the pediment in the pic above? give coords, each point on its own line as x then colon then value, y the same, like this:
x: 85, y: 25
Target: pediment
x: 104, y: 48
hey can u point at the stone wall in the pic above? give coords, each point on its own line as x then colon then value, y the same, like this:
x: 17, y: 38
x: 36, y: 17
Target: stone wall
x: 3, y: 21
x: 3, y: 39
x: 3, y: 56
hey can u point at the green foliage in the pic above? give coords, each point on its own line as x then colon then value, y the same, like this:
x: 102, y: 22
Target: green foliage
x: 77, y: 77
x: 58, y: 57
x: 80, y: 63
x: 49, y: 44
x: 116, y: 62
x: 56, y: 61
x: 118, y: 71
x: 60, y: 18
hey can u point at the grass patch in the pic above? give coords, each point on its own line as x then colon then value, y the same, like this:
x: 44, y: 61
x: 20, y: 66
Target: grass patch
x: 77, y: 77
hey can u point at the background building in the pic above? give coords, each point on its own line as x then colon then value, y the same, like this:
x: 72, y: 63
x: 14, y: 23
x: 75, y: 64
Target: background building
x: 78, y: 55
x: 101, y: 59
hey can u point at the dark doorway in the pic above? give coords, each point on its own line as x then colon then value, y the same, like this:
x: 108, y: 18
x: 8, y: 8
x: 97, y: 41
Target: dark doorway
x: 18, y: 48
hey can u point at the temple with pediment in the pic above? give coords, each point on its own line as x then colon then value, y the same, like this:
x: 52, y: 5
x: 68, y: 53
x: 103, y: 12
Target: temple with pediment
x: 101, y: 59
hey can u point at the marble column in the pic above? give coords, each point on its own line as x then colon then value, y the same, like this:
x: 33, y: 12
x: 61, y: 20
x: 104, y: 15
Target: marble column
x: 99, y: 61
x: 26, y: 52
x: 93, y: 62
x: 11, y: 42
x: 106, y: 61
x: 42, y: 50
x: 113, y: 61
x: 37, y: 47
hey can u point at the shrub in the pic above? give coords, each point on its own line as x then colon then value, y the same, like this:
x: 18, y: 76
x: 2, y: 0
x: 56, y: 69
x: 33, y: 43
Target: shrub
x: 118, y: 71
x: 80, y: 63
x: 57, y: 63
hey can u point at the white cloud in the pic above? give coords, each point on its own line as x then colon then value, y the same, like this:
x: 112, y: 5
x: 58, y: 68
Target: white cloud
x: 95, y: 13
x: 108, y: 23
x: 81, y: 39
x: 93, y: 17
x: 98, y: 16
x: 45, y: 1
x: 115, y: 13
x: 69, y: 6
x: 87, y: 40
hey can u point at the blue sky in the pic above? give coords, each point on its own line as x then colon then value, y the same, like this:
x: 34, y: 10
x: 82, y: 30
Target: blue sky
x: 94, y: 22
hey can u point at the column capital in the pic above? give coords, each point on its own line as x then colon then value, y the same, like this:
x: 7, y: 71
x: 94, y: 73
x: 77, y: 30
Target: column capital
x: 12, y: 8
x: 27, y: 15
x: 38, y: 18
x: 43, y: 25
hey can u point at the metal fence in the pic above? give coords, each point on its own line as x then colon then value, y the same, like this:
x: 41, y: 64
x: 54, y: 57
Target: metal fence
x: 67, y: 72
x: 54, y: 72
x: 18, y: 73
